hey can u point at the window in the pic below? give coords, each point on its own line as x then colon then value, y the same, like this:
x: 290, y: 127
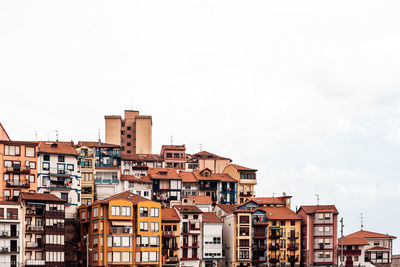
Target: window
x: 7, y: 193
x: 327, y: 216
x: 6, y: 177
x: 216, y: 240
x: 244, y: 219
x: 64, y: 196
x: 292, y: 223
x: 243, y: 254
x: 95, y: 256
x: 327, y: 228
x: 154, y: 212
x: 7, y: 163
x: 95, y: 212
x: 95, y: 242
x: 195, y: 216
x: 46, y: 157
x: 154, y: 227
x: 115, y: 210
x: 61, y: 159
x: 29, y: 152
x: 129, y: 127
x: 129, y: 143
x: 376, y: 243
x: 283, y: 223
x: 31, y: 178
x: 83, y: 215
x: 46, y: 166
x: 144, y: 227
x: 70, y: 167
x: 126, y: 211
x: 144, y: 212
x: 11, y: 150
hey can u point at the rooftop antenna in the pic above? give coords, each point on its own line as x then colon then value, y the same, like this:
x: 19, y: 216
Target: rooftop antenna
x: 201, y: 147
x: 56, y: 135
x: 172, y: 140
x: 317, y: 199
x: 98, y: 135
x: 362, y: 221
x: 48, y: 137
x: 36, y: 135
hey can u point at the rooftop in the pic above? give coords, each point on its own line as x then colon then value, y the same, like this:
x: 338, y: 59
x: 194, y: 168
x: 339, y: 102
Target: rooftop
x: 280, y: 213
x: 95, y: 144
x: 241, y: 168
x: 143, y: 179
x: 40, y: 197
x: 135, y: 199
x: 309, y: 209
x: 163, y: 173
x: 201, y: 199
x: 210, y: 217
x: 169, y: 214
x: 66, y: 148
x: 187, y: 208
x: 208, y: 155
x: 228, y: 208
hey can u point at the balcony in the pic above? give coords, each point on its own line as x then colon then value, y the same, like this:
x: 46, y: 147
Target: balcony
x: 274, y: 247
x: 351, y: 252
x: 168, y: 234
x: 263, y: 259
x: 33, y: 245
x: 245, y: 194
x: 121, y: 230
x: 19, y: 184
x: 4, y: 250
x: 32, y: 228
x: 18, y: 169
x: 259, y: 221
x: 293, y: 235
x: 293, y: 246
x: 174, y: 259
x: 192, y: 245
x: 258, y: 235
x: 63, y: 184
x: 35, y: 263
x: 323, y: 233
x: 293, y: 258
x: 8, y: 233
x: 38, y: 212
x: 259, y: 247
x: 348, y: 263
x: 275, y: 235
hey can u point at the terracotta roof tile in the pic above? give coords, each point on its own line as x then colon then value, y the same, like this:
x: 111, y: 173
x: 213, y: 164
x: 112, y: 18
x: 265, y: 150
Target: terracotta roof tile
x: 173, y: 147
x: 107, y: 168
x: 348, y: 241
x: 214, y: 177
x: 319, y: 208
x: 228, y: 208
x: 163, y: 173
x: 142, y: 157
x: 188, y: 177
x: 143, y: 179
x: 188, y: 208
x: 135, y: 199
x: 266, y: 200
x: 95, y: 144
x: 3, y: 133
x: 241, y: 168
x: 66, y: 148
x: 40, y: 197
x: 280, y: 213
x: 201, y: 199
x: 169, y: 214
x: 210, y: 217
x: 378, y: 248
x: 368, y: 234
x: 206, y: 155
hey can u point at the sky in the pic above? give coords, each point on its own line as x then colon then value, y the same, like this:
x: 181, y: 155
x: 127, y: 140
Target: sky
x: 306, y: 92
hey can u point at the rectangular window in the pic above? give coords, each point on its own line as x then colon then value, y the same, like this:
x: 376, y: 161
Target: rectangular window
x: 11, y: 150
x: 144, y: 212
x: 144, y: 227
x: 31, y: 178
x: 115, y: 210
x: 154, y: 227
x: 29, y: 152
x: 126, y: 211
x: 32, y: 165
x: 46, y: 157
x: 61, y: 159
x: 6, y: 177
x: 95, y: 212
x: 46, y: 166
x: 70, y: 167
x: 154, y: 212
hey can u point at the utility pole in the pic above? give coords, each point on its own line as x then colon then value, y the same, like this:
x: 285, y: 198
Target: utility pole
x: 341, y: 241
x: 87, y: 249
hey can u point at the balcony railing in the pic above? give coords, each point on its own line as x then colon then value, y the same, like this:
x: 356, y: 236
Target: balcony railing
x: 9, y: 249
x: 260, y: 235
x: 19, y: 169
x: 121, y: 230
x: 34, y: 212
x: 35, y: 262
x: 168, y: 234
x: 293, y: 235
x: 274, y: 247
x: 172, y: 259
x: 22, y: 184
x: 33, y: 228
x: 33, y: 245
x: 245, y: 194
x: 293, y: 258
x: 351, y: 252
x: 8, y: 233
x: 323, y: 233
x: 275, y: 235
x: 293, y: 246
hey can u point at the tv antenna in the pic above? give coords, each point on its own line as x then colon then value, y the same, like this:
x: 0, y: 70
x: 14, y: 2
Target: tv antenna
x: 56, y: 135
x: 201, y: 147
x: 362, y: 220
x: 36, y: 135
x: 172, y: 140
x: 317, y: 199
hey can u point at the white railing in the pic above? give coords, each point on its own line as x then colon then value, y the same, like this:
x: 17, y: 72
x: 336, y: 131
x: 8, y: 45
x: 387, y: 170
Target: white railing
x: 35, y: 262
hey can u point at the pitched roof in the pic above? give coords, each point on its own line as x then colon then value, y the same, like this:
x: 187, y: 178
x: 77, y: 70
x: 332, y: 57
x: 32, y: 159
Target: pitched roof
x: 280, y: 213
x: 3, y: 133
x: 188, y: 177
x: 319, y: 208
x: 173, y: 147
x: 368, y: 234
x: 143, y: 179
x: 214, y: 177
x: 163, y: 173
x: 206, y: 154
x: 378, y: 248
x: 107, y: 168
x: 169, y: 214
x: 210, y: 217
x: 127, y: 195
x: 228, y: 208
x: 201, y: 199
x: 266, y: 200
x: 188, y: 208
x: 241, y: 168
x: 95, y: 144
x: 66, y: 148
x: 142, y: 157
x: 40, y: 197
x: 348, y: 241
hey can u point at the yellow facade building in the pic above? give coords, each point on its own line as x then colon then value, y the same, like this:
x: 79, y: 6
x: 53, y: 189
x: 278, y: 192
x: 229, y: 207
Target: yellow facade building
x: 122, y: 230
x: 170, y: 237
x: 86, y: 161
x: 246, y: 178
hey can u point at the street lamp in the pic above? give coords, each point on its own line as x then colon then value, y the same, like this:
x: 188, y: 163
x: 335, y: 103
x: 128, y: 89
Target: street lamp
x: 86, y: 237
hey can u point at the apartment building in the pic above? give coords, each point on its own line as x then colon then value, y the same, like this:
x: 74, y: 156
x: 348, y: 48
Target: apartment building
x: 86, y: 161
x: 258, y: 202
x: 18, y: 168
x: 319, y: 232
x: 133, y: 133
x: 212, y: 240
x: 122, y: 230
x: 170, y: 226
x: 246, y: 179
x: 167, y: 185
x: 206, y: 160
x: 10, y: 234
x: 59, y: 173
x: 365, y: 248
x: 174, y: 156
x: 276, y: 237
x: 133, y: 163
x: 140, y: 186
x: 222, y: 188
x: 191, y: 235
x: 190, y: 184
x: 43, y: 232
x: 107, y: 169
x: 204, y: 203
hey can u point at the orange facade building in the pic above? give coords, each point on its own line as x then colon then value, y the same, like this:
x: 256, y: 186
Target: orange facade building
x: 18, y: 168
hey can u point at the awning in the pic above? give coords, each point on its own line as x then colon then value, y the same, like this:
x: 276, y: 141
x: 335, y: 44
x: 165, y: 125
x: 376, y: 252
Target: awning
x: 36, y: 203
x: 121, y: 223
x: 275, y: 228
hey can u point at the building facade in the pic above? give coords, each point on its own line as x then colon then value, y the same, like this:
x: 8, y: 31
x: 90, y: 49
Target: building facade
x: 86, y: 160
x: 246, y: 178
x: 170, y: 226
x: 11, y: 224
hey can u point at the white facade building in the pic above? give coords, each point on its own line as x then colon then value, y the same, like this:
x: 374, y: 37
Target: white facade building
x: 212, y: 240
x: 59, y: 174
x: 10, y: 234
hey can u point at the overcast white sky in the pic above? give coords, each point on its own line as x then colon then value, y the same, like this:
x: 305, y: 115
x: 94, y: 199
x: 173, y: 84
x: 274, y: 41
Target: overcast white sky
x: 307, y: 92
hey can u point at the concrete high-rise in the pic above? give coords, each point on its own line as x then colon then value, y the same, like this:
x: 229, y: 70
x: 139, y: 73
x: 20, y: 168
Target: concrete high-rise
x: 133, y: 133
